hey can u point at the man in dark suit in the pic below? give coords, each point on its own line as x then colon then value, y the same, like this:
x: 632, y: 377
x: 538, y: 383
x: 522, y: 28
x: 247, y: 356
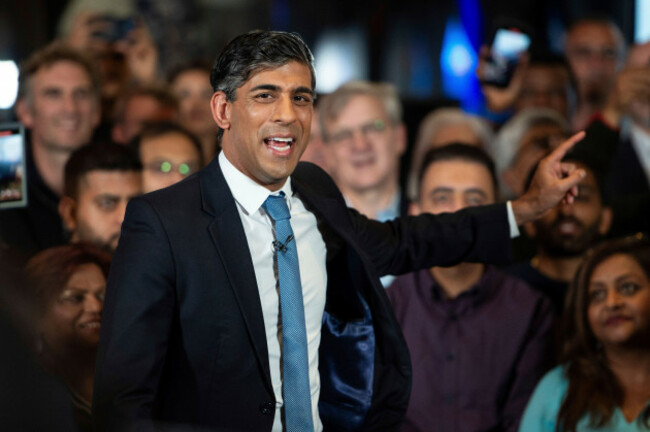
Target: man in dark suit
x: 195, y: 310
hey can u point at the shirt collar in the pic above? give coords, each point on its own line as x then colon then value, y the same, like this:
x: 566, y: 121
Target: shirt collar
x: 249, y: 194
x: 476, y: 294
x: 390, y: 212
x: 393, y: 209
x: 639, y: 135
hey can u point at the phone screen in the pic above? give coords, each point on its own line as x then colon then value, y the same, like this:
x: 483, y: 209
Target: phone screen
x: 509, y: 44
x: 13, y: 181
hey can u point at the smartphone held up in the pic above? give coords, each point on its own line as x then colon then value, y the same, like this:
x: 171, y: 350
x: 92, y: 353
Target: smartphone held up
x: 13, y: 182
x: 508, y: 44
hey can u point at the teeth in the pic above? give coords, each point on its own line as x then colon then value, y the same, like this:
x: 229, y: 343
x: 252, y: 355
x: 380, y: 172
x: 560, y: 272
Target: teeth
x: 279, y: 144
x: 285, y: 140
x: 567, y: 228
x: 92, y: 325
x: 280, y: 148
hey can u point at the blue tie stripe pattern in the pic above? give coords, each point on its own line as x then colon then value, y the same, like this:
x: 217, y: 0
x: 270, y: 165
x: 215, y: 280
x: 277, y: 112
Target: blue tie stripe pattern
x: 295, y: 362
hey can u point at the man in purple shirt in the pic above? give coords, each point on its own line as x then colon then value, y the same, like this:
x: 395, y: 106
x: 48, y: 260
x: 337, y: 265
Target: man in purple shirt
x: 479, y: 339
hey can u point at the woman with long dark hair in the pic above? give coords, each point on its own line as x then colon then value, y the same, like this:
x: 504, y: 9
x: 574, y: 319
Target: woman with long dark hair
x: 604, y: 382
x: 69, y: 283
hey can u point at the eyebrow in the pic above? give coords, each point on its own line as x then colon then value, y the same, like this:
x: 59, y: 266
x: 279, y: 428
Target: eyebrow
x: 626, y: 276
x: 441, y: 189
x: 271, y: 87
x: 107, y: 195
x: 617, y: 280
x: 476, y: 191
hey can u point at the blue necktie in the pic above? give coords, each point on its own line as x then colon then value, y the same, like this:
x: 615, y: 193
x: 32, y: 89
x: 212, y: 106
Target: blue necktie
x: 295, y: 364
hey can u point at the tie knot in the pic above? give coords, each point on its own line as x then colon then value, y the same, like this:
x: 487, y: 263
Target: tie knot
x: 276, y: 207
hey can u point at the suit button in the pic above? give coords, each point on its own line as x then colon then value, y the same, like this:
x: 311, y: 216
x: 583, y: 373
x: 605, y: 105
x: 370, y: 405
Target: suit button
x: 266, y: 408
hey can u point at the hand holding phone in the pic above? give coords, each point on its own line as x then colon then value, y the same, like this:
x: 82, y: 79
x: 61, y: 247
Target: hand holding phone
x: 508, y: 45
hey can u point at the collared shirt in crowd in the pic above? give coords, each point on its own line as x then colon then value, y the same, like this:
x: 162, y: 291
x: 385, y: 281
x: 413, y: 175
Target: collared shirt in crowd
x: 476, y: 358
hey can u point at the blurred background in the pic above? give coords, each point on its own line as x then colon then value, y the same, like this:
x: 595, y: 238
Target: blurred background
x: 428, y: 49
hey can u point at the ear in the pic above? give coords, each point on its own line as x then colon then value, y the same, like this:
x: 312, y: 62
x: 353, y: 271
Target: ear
x: 400, y: 138
x: 221, y: 110
x: 24, y: 113
x: 414, y: 209
x: 606, y: 219
x: 530, y: 229
x: 68, y: 213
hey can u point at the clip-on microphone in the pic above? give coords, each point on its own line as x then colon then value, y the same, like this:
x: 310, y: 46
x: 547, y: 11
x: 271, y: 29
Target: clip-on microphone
x: 282, y: 247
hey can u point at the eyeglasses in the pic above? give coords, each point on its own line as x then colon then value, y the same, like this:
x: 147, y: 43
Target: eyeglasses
x: 368, y: 129
x: 586, y: 53
x: 166, y: 167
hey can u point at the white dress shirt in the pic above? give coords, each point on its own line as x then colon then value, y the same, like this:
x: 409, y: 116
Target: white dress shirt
x: 258, y: 227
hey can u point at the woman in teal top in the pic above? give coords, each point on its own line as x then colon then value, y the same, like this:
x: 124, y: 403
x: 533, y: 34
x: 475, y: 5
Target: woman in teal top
x: 604, y: 385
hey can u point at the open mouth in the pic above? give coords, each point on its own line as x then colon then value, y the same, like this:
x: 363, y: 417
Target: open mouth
x: 91, y: 325
x: 279, y: 145
x: 568, y: 228
x: 362, y: 161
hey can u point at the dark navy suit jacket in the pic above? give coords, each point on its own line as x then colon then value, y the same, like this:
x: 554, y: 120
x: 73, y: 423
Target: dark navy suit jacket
x: 183, y: 337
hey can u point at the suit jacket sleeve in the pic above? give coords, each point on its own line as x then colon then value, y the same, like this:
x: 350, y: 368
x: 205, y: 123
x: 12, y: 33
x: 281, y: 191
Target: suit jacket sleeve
x: 477, y: 234
x: 140, y: 291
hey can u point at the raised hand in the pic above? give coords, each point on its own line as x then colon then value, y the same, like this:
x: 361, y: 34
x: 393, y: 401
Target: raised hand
x: 553, y: 181
x: 500, y: 99
x: 141, y: 53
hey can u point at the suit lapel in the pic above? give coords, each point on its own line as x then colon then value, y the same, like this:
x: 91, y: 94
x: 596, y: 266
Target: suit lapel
x: 229, y: 238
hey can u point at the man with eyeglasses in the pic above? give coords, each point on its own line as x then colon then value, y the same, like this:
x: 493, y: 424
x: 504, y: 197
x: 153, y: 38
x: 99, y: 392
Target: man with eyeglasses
x: 362, y: 127
x: 168, y: 152
x: 595, y: 51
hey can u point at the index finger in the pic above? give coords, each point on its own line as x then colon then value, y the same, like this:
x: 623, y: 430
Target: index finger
x: 559, y: 153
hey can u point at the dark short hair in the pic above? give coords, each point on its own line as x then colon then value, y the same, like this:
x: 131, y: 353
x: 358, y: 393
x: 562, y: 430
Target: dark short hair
x: 254, y: 51
x: 462, y: 152
x: 49, y: 55
x: 106, y: 156
x: 49, y: 271
x: 156, y: 129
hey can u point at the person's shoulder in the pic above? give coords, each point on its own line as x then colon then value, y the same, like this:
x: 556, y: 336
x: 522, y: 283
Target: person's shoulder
x: 311, y: 177
x: 554, y: 381
x: 401, y: 285
x: 515, y: 288
x: 171, y: 203
x: 552, y: 388
x: 544, y: 405
x: 175, y: 195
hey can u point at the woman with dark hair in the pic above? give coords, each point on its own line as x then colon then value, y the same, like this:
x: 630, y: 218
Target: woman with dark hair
x: 69, y: 283
x: 604, y: 384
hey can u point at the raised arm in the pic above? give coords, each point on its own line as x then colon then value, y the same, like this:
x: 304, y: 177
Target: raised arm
x: 553, y: 181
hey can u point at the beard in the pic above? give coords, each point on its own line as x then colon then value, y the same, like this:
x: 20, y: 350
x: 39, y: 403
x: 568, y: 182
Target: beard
x: 84, y: 233
x: 556, y: 244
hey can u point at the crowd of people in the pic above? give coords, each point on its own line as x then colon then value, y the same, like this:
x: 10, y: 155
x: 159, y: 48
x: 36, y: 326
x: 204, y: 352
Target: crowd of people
x: 557, y: 340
